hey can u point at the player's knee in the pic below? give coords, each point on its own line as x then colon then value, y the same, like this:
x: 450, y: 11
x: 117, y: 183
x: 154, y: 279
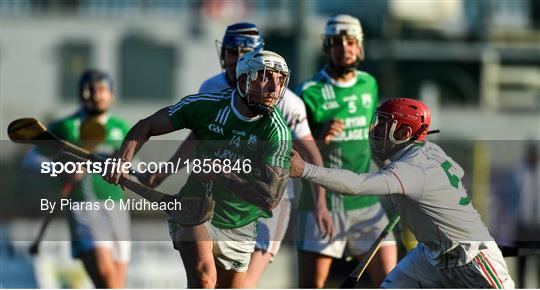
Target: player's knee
x: 107, y: 275
x: 206, y: 276
x: 319, y: 283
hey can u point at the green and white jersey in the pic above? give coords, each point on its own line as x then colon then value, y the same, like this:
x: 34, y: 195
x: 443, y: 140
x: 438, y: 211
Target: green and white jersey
x: 93, y: 186
x: 223, y: 133
x: 353, y: 102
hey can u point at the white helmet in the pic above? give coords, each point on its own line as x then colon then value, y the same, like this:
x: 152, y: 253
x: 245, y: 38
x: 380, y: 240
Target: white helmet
x: 343, y: 24
x: 255, y: 62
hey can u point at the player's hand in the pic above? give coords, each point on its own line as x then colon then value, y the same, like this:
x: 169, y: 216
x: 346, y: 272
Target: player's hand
x: 297, y: 165
x: 331, y: 130
x: 324, y: 221
x: 113, y: 175
x: 152, y: 180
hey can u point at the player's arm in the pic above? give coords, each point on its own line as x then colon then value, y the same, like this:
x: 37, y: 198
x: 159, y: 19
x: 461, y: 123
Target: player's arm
x: 264, y: 191
x: 307, y: 147
x: 392, y: 179
x: 186, y: 151
x: 346, y: 182
x: 295, y: 114
x: 154, y: 125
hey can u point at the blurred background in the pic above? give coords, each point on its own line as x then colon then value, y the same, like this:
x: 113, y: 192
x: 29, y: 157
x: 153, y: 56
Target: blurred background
x: 475, y: 63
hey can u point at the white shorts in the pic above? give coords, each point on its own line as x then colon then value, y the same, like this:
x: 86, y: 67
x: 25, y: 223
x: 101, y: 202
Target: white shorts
x: 270, y: 231
x: 356, y: 230
x: 232, y: 248
x: 486, y: 270
x: 101, y: 228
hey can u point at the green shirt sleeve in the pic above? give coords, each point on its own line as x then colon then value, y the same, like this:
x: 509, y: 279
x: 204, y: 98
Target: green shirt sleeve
x: 182, y: 113
x: 279, y: 142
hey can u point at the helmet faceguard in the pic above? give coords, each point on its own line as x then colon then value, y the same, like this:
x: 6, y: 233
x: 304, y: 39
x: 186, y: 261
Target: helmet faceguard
x: 339, y: 29
x: 261, y: 66
x: 397, y: 123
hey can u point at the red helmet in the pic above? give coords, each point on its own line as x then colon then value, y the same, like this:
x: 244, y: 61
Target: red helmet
x: 393, y: 114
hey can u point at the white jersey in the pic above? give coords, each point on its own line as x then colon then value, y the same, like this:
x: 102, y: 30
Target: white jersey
x: 426, y: 187
x: 291, y: 106
x: 434, y: 204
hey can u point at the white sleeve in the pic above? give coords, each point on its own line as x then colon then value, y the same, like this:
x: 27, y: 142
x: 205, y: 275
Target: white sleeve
x: 405, y: 178
x: 294, y: 112
x: 346, y: 182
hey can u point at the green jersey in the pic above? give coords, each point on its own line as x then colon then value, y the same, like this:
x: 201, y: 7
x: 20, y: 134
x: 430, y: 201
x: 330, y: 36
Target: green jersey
x: 224, y: 134
x: 354, y: 103
x: 93, y: 186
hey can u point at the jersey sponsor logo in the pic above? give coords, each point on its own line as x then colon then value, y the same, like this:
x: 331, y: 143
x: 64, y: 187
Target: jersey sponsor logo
x: 228, y: 154
x: 252, y: 142
x: 350, y: 98
x: 354, y: 134
x: 216, y: 129
x: 366, y: 100
x: 355, y: 122
x: 330, y: 105
x: 241, y: 133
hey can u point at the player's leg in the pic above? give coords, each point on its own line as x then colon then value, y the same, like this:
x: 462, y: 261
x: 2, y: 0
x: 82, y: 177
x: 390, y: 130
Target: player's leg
x: 413, y: 271
x: 199, y: 264
x: 315, y: 255
x: 92, y: 237
x: 398, y: 280
x: 232, y: 253
x: 258, y: 263
x: 366, y: 225
x: 120, y: 222
x: 230, y: 279
x: 383, y: 263
x: 270, y: 233
x: 106, y: 266
x: 100, y: 266
x: 313, y: 269
x: 195, y: 246
x: 490, y: 269
x: 121, y: 256
x: 121, y: 272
